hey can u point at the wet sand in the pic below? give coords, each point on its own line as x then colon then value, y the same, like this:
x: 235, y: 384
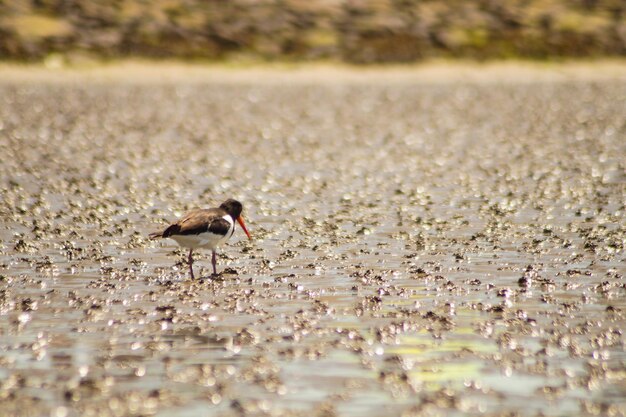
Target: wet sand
x: 451, y: 245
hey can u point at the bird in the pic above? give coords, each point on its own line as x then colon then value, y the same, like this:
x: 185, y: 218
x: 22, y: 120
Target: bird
x: 205, y: 229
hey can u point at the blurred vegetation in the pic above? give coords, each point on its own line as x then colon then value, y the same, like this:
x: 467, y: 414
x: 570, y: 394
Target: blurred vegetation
x: 360, y: 31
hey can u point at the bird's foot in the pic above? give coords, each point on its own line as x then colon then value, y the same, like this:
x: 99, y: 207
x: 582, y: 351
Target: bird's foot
x: 216, y: 276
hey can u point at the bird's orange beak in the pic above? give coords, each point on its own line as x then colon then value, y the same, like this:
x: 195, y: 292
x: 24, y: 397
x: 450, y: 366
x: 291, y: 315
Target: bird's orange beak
x: 243, y: 226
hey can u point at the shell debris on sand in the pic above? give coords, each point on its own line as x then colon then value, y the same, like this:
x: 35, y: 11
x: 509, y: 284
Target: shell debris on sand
x: 420, y: 247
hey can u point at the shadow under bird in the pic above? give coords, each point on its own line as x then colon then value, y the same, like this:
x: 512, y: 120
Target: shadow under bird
x: 205, y: 229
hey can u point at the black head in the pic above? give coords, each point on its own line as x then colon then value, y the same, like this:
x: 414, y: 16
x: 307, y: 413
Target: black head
x: 232, y: 207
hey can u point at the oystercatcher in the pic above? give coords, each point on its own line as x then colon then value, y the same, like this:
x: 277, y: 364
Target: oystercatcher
x: 205, y: 229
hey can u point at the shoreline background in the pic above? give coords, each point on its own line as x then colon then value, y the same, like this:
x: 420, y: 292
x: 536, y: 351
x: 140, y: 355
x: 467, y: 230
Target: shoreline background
x: 352, y: 31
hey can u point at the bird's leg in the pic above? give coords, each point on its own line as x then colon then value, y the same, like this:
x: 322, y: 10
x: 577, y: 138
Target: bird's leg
x: 214, y: 262
x: 190, y: 261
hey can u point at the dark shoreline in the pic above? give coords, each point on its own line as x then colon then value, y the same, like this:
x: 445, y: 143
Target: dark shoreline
x: 355, y: 32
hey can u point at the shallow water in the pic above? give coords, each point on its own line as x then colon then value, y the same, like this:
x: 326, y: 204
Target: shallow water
x: 446, y: 249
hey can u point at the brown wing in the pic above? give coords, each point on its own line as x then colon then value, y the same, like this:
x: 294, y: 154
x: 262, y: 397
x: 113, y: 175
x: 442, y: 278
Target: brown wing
x: 199, y: 221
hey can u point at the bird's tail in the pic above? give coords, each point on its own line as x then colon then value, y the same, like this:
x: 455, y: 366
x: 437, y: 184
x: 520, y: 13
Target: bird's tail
x: 155, y: 235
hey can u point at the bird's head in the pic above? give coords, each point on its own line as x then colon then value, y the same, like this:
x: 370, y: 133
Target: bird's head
x: 234, y: 209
